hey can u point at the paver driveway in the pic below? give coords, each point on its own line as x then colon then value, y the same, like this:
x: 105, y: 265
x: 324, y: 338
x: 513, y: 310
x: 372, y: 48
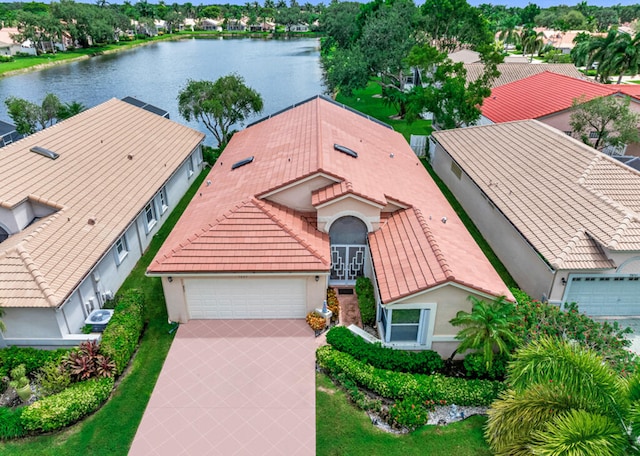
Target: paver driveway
x: 234, y: 387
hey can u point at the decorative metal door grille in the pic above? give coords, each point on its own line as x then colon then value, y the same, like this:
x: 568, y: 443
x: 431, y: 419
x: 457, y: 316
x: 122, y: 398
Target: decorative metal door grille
x: 347, y: 263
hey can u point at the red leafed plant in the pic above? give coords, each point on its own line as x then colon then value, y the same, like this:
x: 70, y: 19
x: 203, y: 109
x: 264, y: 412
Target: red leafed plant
x: 86, y: 362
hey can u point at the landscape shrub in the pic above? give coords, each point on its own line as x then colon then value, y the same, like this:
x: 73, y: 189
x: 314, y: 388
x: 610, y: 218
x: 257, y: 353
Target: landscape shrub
x: 87, y: 362
x: 62, y: 409
x: 476, y: 366
x: 538, y: 319
x: 120, y: 337
x: 399, y: 385
x: 32, y: 358
x: 6, y: 58
x: 52, y: 378
x: 417, y: 362
x: 410, y: 412
x: 333, y: 304
x: 10, y: 423
x: 366, y: 301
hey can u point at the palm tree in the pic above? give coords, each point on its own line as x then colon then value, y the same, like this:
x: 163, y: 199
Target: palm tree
x: 599, y: 50
x: 487, y: 328
x: 532, y: 41
x: 564, y: 400
x: 624, y: 55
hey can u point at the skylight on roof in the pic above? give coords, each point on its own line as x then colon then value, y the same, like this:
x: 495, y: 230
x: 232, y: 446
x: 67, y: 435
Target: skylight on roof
x: 345, y: 150
x: 45, y: 152
x: 246, y: 161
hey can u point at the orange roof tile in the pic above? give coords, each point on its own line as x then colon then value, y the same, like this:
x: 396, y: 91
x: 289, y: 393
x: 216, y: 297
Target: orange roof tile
x: 93, y: 178
x: 296, y: 144
x: 567, y: 199
x: 539, y: 95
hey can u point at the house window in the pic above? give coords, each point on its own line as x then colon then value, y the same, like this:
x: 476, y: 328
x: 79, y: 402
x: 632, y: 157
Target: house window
x: 164, y: 204
x: 405, y: 325
x: 121, y: 250
x: 190, y: 166
x: 456, y: 170
x: 593, y: 135
x: 150, y: 216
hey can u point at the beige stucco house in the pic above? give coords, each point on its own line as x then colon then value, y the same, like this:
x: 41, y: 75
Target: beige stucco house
x: 79, y: 203
x: 563, y: 217
x: 315, y: 196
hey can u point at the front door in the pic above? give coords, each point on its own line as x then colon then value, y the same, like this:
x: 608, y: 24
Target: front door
x: 348, y: 237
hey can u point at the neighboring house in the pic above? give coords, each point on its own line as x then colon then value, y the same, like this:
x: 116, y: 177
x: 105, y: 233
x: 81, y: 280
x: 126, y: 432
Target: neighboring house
x: 298, y: 28
x: 264, y: 26
x: 236, y: 25
x: 631, y: 161
x: 548, y: 97
x: 465, y: 56
x: 8, y: 133
x: 8, y: 45
x: 563, y: 217
x: 79, y: 203
x: 315, y: 196
x: 511, y: 72
x: 211, y: 24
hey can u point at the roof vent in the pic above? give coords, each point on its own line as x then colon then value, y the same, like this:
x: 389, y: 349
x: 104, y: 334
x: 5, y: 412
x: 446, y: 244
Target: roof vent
x: 345, y: 150
x: 246, y: 161
x: 45, y: 152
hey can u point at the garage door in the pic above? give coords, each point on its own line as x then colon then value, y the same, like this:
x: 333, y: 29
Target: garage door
x: 246, y: 298
x: 605, y: 295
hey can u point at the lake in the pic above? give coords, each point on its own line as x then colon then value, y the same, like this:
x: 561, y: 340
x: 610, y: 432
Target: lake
x: 283, y: 71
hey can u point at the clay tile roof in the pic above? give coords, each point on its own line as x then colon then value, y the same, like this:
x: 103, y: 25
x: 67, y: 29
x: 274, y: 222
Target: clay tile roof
x: 539, y: 95
x: 511, y: 72
x: 91, y: 179
x: 297, y: 145
x: 567, y: 199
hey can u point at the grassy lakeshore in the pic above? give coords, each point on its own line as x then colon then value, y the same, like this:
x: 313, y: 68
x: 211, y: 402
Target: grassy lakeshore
x: 33, y: 63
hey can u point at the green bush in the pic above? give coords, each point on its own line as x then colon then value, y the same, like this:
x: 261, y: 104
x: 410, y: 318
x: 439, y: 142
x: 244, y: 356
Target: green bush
x: 52, y: 378
x: 10, y: 423
x: 32, y: 358
x: 399, y: 385
x: 60, y: 410
x: 366, y: 301
x: 6, y: 58
x: 417, y: 362
x: 410, y: 412
x: 476, y: 366
x: 121, y: 336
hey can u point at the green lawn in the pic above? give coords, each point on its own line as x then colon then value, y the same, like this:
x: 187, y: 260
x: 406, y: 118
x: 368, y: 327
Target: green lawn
x: 341, y: 429
x: 363, y: 101
x: 111, y: 429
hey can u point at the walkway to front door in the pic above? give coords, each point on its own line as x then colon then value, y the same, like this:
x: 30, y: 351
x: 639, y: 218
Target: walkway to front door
x: 234, y: 387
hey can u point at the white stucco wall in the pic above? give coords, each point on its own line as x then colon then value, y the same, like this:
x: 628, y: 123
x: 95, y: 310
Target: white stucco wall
x: 531, y: 273
x: 298, y: 196
x: 349, y: 206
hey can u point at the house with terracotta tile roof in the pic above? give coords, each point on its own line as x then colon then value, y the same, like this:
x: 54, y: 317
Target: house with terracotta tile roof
x: 548, y: 97
x: 563, y: 217
x: 510, y: 72
x: 315, y: 196
x: 79, y: 203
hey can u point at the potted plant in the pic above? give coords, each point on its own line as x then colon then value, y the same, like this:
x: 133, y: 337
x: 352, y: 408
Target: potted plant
x: 20, y: 382
x: 316, y: 321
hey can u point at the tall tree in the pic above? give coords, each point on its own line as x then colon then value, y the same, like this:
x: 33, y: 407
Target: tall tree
x: 450, y: 23
x: 532, y: 42
x: 219, y: 105
x: 564, y: 400
x: 605, y: 122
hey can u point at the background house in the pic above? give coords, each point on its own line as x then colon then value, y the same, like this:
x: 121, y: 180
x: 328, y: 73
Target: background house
x: 79, y: 203
x: 563, y: 217
x: 548, y: 97
x: 510, y: 72
x: 319, y: 195
x: 9, y: 46
x: 8, y: 133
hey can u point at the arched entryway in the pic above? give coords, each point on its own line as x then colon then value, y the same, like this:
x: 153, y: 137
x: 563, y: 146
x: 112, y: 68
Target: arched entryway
x: 348, y: 236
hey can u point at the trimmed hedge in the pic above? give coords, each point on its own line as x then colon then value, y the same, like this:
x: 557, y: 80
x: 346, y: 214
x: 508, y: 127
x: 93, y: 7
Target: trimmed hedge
x: 417, y: 362
x: 11, y: 424
x: 398, y: 385
x: 120, y: 337
x: 62, y: 409
x: 366, y: 301
x: 32, y: 358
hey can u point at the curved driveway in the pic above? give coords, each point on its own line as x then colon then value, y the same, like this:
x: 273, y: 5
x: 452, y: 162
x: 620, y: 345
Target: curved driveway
x: 234, y: 387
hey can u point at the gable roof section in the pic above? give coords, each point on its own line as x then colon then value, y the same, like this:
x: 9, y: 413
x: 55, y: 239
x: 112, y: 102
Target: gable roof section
x: 511, y: 72
x: 539, y: 95
x: 93, y: 178
x: 298, y: 143
x: 568, y: 200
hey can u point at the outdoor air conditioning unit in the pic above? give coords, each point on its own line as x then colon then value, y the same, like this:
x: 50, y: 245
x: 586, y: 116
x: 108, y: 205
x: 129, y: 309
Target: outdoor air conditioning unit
x: 107, y: 295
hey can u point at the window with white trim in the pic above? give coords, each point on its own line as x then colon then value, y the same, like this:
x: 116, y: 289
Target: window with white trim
x: 150, y: 216
x: 190, y: 166
x: 164, y: 202
x: 121, y: 250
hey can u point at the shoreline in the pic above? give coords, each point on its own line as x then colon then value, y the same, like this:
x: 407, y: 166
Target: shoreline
x: 188, y: 35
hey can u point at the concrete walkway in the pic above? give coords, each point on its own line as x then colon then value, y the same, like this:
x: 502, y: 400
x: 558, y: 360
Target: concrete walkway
x: 232, y: 388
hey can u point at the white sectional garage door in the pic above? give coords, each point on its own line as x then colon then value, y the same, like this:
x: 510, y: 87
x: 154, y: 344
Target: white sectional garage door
x: 600, y: 295
x: 262, y: 298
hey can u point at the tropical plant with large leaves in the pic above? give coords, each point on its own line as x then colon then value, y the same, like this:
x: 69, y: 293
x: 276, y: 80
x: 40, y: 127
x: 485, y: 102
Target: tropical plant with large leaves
x: 564, y: 400
x: 487, y: 328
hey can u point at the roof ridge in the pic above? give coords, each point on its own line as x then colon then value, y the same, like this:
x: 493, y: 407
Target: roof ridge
x: 588, y: 169
x: 622, y: 227
x: 562, y: 257
x: 434, y: 245
x: 319, y: 151
x: 37, y: 275
x: 263, y: 207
